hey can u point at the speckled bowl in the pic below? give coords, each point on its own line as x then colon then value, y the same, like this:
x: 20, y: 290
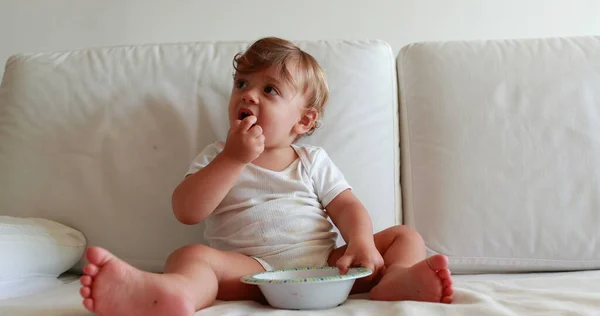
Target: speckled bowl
x: 306, y: 288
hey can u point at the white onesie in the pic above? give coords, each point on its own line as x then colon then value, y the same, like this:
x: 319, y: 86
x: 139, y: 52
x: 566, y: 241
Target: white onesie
x: 278, y: 218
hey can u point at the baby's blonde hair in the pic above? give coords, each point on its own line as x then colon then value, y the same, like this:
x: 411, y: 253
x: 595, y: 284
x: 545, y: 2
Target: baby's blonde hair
x: 273, y: 51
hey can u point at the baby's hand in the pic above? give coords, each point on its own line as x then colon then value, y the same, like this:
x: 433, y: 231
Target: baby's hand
x: 361, y: 254
x: 245, y: 141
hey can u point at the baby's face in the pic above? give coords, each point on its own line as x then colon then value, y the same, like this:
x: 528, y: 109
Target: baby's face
x: 275, y: 102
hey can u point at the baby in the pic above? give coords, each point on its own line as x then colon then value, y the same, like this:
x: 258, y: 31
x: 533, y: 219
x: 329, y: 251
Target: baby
x: 266, y: 200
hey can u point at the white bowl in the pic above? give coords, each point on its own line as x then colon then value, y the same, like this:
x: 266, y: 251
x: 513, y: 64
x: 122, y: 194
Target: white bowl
x: 306, y: 288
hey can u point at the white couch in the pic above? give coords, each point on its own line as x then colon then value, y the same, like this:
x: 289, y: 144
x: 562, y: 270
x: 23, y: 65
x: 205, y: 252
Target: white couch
x: 490, y: 149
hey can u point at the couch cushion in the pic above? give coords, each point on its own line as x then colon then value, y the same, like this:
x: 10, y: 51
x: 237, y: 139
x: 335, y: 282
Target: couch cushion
x: 501, y: 151
x: 35, y: 251
x: 99, y: 138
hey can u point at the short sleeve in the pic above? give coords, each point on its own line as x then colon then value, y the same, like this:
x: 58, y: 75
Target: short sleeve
x: 327, y: 178
x: 204, y: 157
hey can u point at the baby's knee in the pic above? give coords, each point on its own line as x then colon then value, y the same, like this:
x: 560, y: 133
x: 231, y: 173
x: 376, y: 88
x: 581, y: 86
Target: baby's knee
x: 194, y: 252
x: 406, y: 233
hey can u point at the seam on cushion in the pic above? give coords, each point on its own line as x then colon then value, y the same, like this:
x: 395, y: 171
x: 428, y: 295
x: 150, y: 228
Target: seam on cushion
x: 408, y: 199
x: 30, y: 276
x: 398, y: 197
x: 464, y: 258
x: 33, y: 242
x: 521, y: 259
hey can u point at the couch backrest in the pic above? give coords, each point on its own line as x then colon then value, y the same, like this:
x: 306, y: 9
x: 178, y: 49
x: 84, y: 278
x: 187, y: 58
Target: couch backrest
x: 501, y: 151
x: 98, y: 139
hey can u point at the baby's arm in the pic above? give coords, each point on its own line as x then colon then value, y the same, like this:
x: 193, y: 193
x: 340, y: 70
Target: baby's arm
x: 354, y: 223
x: 197, y: 196
x: 351, y: 218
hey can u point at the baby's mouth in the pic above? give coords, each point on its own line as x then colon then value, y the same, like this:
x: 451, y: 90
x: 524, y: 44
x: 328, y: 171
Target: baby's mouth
x: 244, y: 113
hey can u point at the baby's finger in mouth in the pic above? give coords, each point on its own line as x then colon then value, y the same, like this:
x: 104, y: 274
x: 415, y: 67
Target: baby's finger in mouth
x: 249, y: 122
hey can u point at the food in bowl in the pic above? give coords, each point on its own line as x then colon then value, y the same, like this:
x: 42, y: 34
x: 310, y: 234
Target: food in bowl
x: 306, y: 288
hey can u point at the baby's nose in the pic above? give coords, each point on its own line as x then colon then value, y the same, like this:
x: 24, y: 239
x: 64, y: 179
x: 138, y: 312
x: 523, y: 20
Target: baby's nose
x: 250, y: 98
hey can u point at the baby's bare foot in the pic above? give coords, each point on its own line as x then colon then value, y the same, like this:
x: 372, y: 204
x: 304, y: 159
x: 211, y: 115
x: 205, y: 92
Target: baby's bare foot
x: 113, y: 287
x: 427, y: 281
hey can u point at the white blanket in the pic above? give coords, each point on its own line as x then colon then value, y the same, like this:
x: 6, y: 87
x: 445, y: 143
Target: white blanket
x: 575, y: 293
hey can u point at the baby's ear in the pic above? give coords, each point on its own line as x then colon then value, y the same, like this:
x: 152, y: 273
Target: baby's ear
x: 307, y: 121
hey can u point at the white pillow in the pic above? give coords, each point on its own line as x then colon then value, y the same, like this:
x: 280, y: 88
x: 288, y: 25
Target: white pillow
x: 35, y: 250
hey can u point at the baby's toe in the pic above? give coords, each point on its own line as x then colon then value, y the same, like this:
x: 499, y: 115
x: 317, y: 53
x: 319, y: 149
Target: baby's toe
x: 88, y: 303
x: 86, y: 280
x: 444, y: 274
x: 85, y: 292
x: 91, y: 269
x: 447, y: 282
x: 447, y: 299
x: 438, y: 262
x: 448, y: 291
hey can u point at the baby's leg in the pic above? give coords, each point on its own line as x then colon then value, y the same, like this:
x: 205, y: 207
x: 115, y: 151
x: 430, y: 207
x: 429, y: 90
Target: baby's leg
x: 194, y: 276
x: 199, y: 264
x: 408, y: 274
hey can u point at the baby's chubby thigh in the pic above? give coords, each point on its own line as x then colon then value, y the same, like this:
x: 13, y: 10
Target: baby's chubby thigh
x: 214, y: 272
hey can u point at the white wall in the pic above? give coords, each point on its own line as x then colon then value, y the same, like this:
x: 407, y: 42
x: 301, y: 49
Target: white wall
x: 42, y: 25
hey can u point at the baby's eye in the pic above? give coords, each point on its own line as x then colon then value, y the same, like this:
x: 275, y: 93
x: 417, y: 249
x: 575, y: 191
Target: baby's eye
x: 240, y: 83
x: 271, y: 90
